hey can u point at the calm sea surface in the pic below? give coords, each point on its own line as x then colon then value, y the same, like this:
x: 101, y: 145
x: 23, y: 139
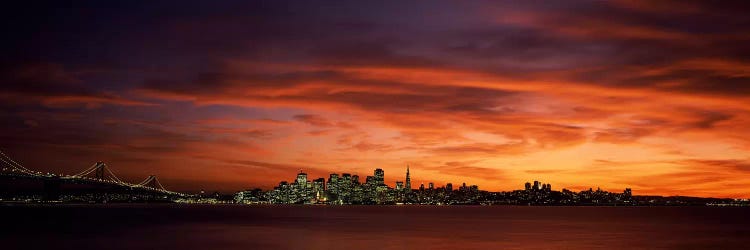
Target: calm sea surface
x: 172, y: 226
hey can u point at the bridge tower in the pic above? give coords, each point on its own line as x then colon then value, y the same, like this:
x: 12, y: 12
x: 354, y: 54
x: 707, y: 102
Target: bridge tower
x: 151, y: 182
x: 99, y: 171
x: 99, y: 174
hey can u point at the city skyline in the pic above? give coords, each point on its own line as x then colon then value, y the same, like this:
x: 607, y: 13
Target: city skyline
x: 406, y: 184
x: 654, y: 96
x: 347, y: 189
x: 397, y: 184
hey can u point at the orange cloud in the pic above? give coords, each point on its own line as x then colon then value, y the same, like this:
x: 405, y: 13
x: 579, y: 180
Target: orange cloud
x: 616, y: 94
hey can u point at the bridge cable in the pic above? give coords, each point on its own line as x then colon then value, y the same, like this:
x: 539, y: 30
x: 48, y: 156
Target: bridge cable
x: 15, y: 164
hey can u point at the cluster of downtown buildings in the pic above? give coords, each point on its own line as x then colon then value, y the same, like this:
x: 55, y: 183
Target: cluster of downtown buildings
x: 349, y: 189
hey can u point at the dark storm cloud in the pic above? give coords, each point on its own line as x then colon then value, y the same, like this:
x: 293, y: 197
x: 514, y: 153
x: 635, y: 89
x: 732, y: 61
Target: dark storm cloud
x: 554, y: 36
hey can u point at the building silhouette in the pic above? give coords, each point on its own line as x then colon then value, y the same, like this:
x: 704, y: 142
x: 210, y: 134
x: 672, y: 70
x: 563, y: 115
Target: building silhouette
x: 408, y: 179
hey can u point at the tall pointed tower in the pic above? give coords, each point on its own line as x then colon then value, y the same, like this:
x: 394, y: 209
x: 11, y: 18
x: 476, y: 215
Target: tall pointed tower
x: 408, y: 179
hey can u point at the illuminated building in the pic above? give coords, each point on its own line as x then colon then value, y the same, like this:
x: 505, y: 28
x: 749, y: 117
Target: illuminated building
x: 408, y: 179
x: 380, y: 176
x: 318, y: 189
x: 301, y: 181
x: 332, y: 186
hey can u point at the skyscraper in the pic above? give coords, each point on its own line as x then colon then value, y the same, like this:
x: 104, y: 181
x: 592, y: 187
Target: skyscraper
x: 380, y: 177
x: 345, y: 182
x: 301, y: 179
x: 346, y: 179
x: 408, y: 179
x: 333, y: 181
x: 318, y: 189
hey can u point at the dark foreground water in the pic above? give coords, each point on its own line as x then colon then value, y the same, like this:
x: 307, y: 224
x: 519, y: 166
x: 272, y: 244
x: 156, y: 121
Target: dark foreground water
x: 371, y: 227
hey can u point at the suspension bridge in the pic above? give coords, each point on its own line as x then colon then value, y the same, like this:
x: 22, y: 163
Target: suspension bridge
x: 97, y: 176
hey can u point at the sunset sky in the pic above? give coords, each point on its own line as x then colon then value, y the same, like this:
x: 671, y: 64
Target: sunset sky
x: 652, y: 95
